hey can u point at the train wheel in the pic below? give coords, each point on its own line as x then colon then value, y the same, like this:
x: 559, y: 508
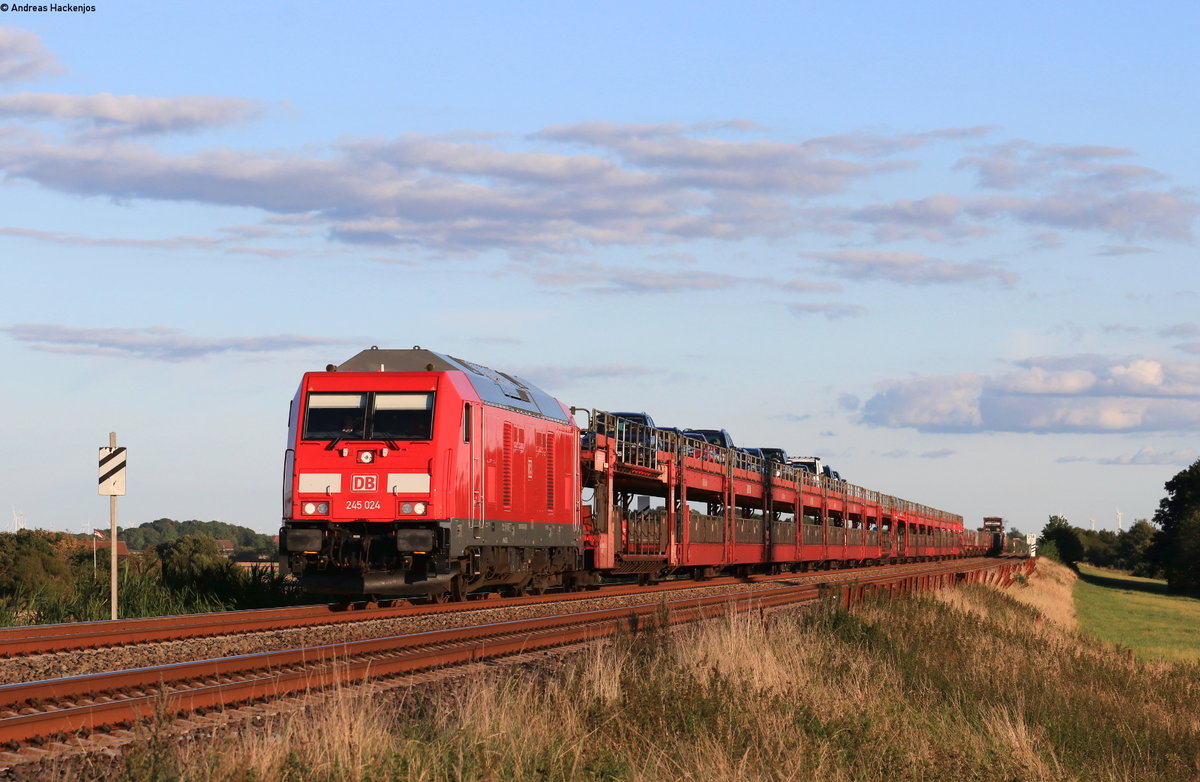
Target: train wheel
x: 458, y: 589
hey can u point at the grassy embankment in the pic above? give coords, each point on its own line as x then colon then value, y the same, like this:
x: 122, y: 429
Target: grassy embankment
x: 1138, y: 614
x: 965, y: 684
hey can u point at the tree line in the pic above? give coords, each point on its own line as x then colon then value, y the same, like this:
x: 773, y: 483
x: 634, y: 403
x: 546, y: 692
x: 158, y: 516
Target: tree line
x: 1167, y: 548
x: 247, y: 543
x: 55, y: 577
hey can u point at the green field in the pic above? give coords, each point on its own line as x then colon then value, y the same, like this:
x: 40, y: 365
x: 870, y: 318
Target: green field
x: 1139, y: 614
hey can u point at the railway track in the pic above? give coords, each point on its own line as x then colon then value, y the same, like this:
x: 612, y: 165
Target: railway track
x: 43, y: 639
x: 33, y: 712
x: 89, y: 702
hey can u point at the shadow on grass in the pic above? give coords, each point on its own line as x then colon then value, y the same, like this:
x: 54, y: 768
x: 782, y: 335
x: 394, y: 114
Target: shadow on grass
x: 1114, y: 582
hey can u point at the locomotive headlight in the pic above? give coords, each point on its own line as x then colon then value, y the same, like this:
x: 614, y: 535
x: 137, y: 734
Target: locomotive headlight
x: 316, y: 509
x: 406, y: 508
x: 366, y: 457
x: 419, y: 509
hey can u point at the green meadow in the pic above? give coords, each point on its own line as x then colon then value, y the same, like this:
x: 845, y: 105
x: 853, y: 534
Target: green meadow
x: 1138, y: 614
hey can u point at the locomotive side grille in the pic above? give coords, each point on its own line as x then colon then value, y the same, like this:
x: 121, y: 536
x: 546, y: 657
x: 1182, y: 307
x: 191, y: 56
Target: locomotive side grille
x: 548, y: 439
x: 506, y: 474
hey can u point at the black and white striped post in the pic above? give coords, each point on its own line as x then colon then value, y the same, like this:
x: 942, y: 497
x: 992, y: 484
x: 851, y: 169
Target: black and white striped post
x: 112, y: 483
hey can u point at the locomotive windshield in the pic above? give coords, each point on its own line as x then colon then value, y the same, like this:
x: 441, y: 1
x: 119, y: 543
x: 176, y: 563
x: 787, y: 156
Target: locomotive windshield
x: 369, y: 416
x: 341, y: 416
x: 402, y: 416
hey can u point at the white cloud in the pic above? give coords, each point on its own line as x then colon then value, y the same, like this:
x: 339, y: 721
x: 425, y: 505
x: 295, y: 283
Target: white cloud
x: 939, y: 211
x: 1018, y: 163
x: 224, y: 244
x: 1079, y: 187
x: 119, y: 115
x: 1148, y: 455
x: 1181, y: 330
x: 947, y: 403
x: 153, y: 342
x: 1153, y: 214
x: 1084, y: 394
x: 619, y: 279
x: 908, y: 268
x: 1045, y: 240
x: 558, y: 377
x: 831, y: 310
x: 22, y: 56
x: 1039, y: 380
x: 574, y: 188
x: 806, y: 286
x: 1117, y: 251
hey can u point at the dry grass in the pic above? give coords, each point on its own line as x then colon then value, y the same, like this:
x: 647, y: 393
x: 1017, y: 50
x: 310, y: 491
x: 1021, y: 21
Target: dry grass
x: 968, y: 685
x: 1052, y: 597
x: 343, y: 738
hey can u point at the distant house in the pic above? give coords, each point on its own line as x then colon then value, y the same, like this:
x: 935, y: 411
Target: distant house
x: 122, y: 548
x: 225, y: 547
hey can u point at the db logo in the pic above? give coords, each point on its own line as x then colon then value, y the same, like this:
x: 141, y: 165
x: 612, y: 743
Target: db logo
x: 364, y: 483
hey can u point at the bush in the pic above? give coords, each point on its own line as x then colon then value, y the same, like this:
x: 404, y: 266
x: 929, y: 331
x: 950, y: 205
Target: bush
x: 192, y: 560
x: 35, y: 561
x: 50, y: 578
x: 1049, y: 550
x: 1068, y: 545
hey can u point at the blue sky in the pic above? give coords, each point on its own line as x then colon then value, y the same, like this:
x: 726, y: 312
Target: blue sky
x: 950, y: 249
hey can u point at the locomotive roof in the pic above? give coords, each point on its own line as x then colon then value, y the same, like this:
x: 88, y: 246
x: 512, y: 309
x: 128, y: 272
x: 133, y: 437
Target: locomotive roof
x: 496, y: 388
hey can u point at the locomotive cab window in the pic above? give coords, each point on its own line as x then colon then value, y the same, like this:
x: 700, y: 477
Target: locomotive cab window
x: 369, y: 416
x: 403, y: 416
x: 340, y: 416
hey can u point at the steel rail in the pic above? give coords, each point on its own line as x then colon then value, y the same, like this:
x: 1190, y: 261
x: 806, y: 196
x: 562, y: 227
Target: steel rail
x: 96, y: 701
x: 42, y: 639
x: 29, y: 639
x: 274, y: 674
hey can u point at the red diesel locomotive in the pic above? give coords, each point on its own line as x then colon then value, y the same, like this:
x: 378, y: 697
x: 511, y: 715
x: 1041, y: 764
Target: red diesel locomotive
x: 410, y: 472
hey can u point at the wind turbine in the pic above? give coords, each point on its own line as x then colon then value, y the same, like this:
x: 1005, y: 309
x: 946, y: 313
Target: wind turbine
x: 1120, y: 515
x: 1093, y: 525
x: 18, y: 520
